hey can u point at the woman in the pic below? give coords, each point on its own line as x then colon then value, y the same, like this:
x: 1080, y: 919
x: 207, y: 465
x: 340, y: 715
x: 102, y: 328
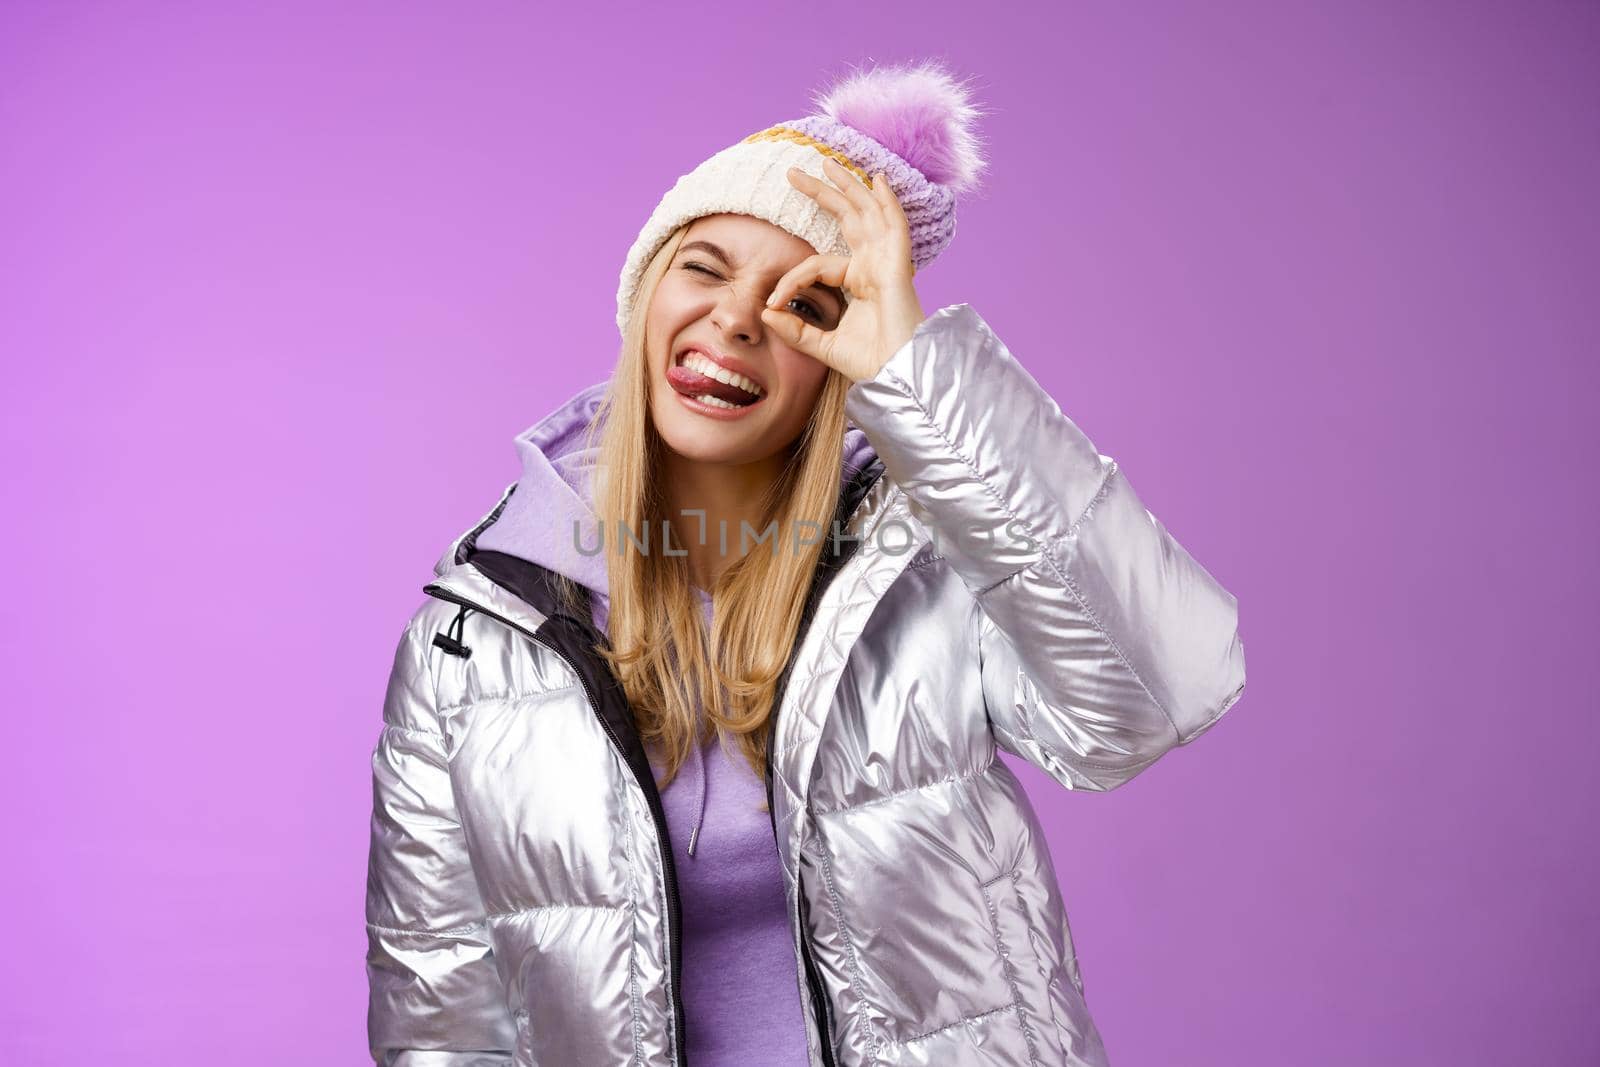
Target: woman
x: 690, y: 755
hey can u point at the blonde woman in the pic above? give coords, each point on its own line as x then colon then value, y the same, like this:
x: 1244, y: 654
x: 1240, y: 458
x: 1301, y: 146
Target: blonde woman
x: 689, y: 757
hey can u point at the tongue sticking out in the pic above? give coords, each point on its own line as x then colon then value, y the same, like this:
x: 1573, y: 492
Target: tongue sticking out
x: 692, y: 383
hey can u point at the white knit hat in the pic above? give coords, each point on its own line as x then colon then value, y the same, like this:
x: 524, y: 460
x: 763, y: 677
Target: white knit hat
x: 913, y: 123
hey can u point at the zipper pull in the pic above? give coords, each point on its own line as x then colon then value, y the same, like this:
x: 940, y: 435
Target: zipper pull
x: 450, y: 640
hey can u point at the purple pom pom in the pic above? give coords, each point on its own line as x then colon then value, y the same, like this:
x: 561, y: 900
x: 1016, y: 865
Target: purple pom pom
x: 918, y: 112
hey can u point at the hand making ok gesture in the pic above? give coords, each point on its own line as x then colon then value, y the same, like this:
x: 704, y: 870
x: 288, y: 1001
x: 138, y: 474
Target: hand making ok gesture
x: 883, y: 310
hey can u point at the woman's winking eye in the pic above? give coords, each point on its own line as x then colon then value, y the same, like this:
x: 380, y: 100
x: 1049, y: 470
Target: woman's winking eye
x: 702, y: 269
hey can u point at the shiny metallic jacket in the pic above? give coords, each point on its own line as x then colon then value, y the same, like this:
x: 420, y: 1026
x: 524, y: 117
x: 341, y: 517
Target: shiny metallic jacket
x: 996, y: 584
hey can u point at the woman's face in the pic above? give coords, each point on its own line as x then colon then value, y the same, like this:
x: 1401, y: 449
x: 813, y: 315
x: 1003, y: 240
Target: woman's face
x: 704, y: 324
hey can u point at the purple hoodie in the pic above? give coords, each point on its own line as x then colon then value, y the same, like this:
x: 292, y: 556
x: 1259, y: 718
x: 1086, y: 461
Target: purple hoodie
x: 740, y: 976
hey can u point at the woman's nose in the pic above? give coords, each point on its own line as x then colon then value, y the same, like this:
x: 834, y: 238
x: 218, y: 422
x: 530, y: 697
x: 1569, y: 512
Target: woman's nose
x: 738, y: 312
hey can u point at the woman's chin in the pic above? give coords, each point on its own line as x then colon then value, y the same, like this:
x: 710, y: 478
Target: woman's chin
x: 703, y: 446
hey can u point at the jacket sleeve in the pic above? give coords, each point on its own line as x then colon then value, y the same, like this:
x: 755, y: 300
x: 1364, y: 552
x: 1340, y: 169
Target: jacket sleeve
x: 1103, y: 643
x: 435, y: 998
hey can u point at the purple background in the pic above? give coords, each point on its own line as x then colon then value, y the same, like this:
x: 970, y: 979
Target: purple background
x: 278, y: 287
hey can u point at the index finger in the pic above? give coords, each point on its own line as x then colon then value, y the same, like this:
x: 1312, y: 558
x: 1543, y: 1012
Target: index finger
x: 832, y: 200
x: 827, y: 269
x: 852, y: 187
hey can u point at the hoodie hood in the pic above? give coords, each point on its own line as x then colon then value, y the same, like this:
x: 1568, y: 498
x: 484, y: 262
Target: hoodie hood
x: 552, y: 499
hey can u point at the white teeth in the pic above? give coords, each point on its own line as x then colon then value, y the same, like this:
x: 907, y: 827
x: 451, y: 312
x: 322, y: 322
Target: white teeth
x: 715, y: 401
x: 696, y: 362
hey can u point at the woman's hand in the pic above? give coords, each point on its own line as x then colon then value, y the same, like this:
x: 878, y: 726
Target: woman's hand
x: 884, y: 310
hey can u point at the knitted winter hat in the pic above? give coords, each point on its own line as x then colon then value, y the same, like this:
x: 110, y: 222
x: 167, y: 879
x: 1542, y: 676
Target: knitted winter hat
x: 914, y: 122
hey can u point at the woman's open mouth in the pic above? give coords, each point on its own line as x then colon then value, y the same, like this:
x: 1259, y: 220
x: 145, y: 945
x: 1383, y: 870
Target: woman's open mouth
x: 712, y: 389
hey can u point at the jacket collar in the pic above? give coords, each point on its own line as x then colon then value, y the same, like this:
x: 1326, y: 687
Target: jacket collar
x: 457, y: 580
x: 852, y: 574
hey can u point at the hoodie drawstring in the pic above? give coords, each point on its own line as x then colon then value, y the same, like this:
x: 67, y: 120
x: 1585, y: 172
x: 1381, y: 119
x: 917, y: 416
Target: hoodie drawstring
x: 700, y: 808
x: 700, y: 765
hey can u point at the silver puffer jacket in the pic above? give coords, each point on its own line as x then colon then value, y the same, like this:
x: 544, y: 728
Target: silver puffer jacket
x: 996, y: 584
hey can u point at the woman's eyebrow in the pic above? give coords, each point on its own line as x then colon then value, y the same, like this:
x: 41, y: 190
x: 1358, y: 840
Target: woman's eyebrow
x: 716, y: 250
x: 708, y: 247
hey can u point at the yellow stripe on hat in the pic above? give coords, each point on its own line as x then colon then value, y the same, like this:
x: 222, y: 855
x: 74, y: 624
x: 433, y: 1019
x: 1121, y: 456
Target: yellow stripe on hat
x: 784, y: 133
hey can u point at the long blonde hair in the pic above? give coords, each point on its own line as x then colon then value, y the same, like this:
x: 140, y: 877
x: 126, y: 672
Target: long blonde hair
x: 668, y: 666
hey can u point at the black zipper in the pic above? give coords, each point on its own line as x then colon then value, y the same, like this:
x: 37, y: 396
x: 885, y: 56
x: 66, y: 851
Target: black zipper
x: 819, y: 1002
x: 652, y: 794
x: 827, y: 568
